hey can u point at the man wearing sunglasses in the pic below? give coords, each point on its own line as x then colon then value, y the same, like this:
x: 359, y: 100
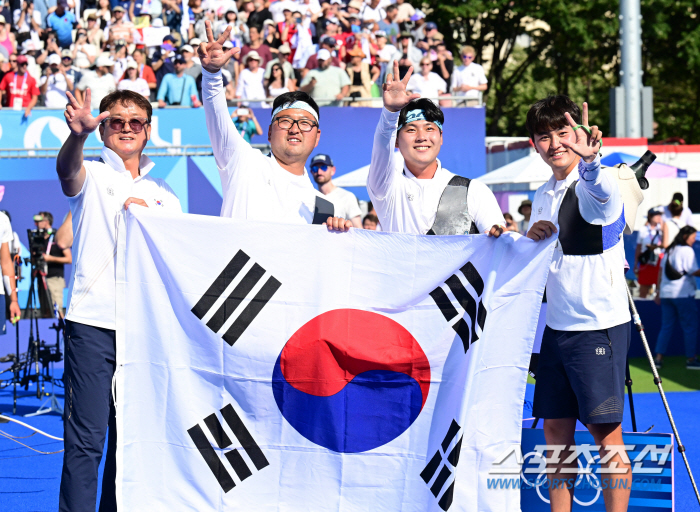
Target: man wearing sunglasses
x: 410, y: 189
x: 18, y: 89
x: 274, y: 188
x: 97, y: 191
x: 344, y: 201
x: 469, y: 79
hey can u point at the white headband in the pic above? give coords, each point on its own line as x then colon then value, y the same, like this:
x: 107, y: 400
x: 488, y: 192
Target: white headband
x: 301, y: 105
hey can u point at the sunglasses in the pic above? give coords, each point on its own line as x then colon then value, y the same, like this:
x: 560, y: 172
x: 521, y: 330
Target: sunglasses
x: 12, y: 61
x: 467, y: 57
x: 321, y: 167
x: 117, y: 124
x: 425, y: 65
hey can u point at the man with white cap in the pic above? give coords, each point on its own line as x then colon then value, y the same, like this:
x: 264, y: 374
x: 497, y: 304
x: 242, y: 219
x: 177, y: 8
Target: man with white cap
x: 410, y: 189
x: 250, y: 81
x: 274, y: 188
x: 100, y: 82
x: 191, y: 67
x: 327, y: 81
x: 55, y: 84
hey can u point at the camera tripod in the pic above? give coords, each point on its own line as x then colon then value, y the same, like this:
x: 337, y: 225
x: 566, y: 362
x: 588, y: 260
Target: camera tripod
x: 38, y: 352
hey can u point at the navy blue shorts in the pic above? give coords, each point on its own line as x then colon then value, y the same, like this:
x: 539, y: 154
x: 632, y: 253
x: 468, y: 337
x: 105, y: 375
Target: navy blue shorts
x: 581, y: 374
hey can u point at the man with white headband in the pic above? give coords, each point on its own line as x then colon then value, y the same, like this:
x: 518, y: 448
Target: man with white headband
x: 411, y: 191
x: 273, y: 188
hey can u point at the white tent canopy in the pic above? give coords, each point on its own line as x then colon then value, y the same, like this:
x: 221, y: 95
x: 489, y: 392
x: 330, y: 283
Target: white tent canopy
x: 526, y: 173
x: 356, y: 178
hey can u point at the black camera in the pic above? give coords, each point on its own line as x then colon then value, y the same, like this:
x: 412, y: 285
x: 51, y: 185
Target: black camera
x: 37, y: 246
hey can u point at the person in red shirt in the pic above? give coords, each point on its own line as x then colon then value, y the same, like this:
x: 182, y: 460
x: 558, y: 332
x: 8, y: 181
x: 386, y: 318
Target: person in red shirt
x: 18, y: 89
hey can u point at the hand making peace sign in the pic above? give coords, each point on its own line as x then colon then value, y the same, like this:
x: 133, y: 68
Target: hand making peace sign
x: 79, y: 117
x: 212, y: 54
x: 395, y: 94
x: 588, y: 140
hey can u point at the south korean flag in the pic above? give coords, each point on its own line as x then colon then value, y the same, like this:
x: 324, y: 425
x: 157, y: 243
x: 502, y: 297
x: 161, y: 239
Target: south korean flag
x: 284, y: 367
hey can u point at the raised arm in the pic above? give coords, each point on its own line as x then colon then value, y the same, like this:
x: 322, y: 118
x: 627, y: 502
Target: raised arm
x: 588, y: 143
x: 69, y: 162
x: 381, y: 167
x: 225, y: 139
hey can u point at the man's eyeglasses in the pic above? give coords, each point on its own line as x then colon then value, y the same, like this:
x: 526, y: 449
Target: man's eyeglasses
x: 117, y: 124
x: 320, y: 167
x: 469, y: 57
x: 286, y: 123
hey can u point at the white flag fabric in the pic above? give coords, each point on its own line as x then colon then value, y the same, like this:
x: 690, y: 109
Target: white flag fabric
x: 282, y: 367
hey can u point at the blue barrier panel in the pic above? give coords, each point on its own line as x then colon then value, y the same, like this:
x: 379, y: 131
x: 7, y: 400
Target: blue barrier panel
x: 346, y: 134
x: 652, y: 473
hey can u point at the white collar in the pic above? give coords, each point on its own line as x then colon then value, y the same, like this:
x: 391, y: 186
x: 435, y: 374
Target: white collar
x: 411, y: 176
x: 113, y: 160
x: 551, y: 183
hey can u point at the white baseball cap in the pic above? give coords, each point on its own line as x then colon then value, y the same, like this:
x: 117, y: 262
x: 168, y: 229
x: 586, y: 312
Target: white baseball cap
x: 54, y: 58
x: 323, y: 54
x: 104, y: 60
x: 186, y: 48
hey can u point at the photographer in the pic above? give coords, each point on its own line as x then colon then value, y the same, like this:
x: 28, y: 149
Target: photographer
x: 8, y: 273
x: 55, y: 257
x: 55, y: 83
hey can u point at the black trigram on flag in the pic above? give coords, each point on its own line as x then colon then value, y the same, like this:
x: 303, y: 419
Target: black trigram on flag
x: 222, y: 440
x: 236, y: 297
x: 442, y: 461
x: 476, y: 312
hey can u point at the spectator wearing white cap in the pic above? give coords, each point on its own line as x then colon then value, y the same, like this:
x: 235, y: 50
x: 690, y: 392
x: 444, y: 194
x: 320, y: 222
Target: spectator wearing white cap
x: 250, y: 81
x: 101, y: 82
x: 132, y: 81
x: 54, y: 84
x: 191, y: 68
x: 327, y: 43
x: 326, y: 82
x: 385, y: 50
x: 346, y: 206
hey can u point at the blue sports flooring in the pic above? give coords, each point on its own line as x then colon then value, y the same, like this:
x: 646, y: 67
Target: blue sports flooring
x: 30, y: 481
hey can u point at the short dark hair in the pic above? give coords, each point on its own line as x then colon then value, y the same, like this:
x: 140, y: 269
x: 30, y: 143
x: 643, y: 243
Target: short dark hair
x: 47, y: 216
x: 390, y: 7
x: 291, y: 97
x: 677, y: 197
x: 371, y: 217
x: 431, y: 111
x: 126, y: 98
x: 548, y: 114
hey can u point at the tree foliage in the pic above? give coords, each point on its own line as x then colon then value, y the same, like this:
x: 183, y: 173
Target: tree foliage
x: 541, y: 47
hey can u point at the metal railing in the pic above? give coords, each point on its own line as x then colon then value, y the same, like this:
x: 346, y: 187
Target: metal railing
x: 459, y: 100
x: 94, y: 152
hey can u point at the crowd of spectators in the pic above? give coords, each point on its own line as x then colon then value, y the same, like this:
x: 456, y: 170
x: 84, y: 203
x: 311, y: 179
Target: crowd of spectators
x: 332, y: 49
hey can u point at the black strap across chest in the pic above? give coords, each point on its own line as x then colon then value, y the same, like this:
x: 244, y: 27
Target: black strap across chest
x: 577, y: 237
x: 452, y: 217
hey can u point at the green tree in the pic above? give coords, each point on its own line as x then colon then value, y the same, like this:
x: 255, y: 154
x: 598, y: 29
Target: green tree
x: 546, y: 47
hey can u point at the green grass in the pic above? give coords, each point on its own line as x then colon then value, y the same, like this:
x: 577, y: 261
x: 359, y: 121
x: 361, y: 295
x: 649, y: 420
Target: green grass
x: 674, y: 376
